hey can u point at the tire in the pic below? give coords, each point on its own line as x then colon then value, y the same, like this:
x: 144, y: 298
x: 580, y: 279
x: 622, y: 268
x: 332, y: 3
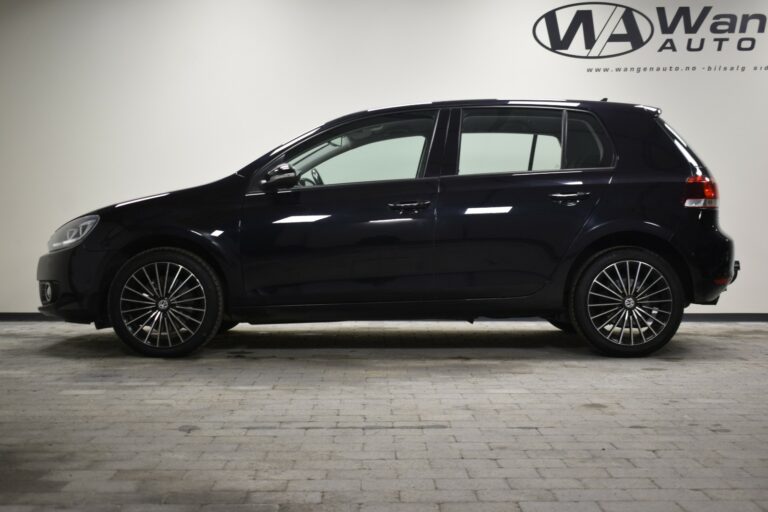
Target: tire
x: 166, y: 302
x: 627, y: 302
x: 566, y: 327
x: 227, y: 325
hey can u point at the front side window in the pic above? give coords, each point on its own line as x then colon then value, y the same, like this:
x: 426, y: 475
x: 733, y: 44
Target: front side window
x: 383, y: 148
x: 499, y: 140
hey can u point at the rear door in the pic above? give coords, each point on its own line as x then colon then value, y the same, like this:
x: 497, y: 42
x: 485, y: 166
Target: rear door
x: 514, y: 199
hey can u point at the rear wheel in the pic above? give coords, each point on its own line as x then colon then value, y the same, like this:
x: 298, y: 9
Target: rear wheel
x: 627, y: 302
x: 166, y: 302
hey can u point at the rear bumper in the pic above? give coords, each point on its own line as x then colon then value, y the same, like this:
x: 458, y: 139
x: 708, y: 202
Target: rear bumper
x: 74, y: 278
x: 712, y: 264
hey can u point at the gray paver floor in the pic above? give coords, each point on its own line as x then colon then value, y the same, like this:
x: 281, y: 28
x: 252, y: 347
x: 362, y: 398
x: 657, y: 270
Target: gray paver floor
x: 387, y: 416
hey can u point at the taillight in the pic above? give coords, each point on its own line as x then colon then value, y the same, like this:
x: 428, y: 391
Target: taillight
x: 700, y: 192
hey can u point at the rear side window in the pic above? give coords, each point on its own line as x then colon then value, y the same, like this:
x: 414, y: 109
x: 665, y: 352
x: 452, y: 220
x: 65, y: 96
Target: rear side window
x: 502, y: 140
x: 587, y: 144
x: 498, y: 140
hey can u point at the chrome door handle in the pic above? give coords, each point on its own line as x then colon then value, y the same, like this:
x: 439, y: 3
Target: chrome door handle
x: 569, y: 199
x: 409, y: 206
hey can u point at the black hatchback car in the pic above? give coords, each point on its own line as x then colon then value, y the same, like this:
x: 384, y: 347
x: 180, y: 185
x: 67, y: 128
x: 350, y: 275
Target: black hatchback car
x: 594, y: 215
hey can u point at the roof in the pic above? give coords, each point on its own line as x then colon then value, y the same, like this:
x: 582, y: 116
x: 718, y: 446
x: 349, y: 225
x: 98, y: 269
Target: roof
x: 582, y: 104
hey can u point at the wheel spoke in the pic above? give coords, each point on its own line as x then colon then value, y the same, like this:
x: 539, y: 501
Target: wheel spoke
x: 146, y: 294
x: 175, y: 328
x: 616, y: 300
x: 616, y: 288
x: 649, y: 317
x: 150, y: 317
x: 173, y: 298
x: 178, y: 288
x: 621, y: 281
x: 181, y: 322
x: 165, y: 279
x: 609, y: 290
x: 604, y: 313
x: 641, y: 286
x: 201, y: 297
x: 623, y: 326
x: 155, y: 293
x: 138, y: 301
x: 171, y: 287
x: 157, y: 315
x: 639, y: 325
x: 142, y: 308
x: 652, y: 294
x: 189, y: 308
x: 641, y: 294
x: 139, y: 317
x: 187, y: 316
x: 616, y: 315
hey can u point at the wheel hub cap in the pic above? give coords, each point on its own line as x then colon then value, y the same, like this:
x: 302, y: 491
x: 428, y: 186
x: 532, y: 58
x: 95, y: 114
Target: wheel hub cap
x: 629, y: 303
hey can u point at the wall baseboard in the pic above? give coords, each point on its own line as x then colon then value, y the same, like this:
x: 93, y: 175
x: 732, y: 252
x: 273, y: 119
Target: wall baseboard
x: 688, y: 317
x: 26, y: 317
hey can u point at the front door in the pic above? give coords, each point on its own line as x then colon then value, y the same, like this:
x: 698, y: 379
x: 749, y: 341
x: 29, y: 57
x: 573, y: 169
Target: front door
x: 516, y: 198
x: 359, y: 226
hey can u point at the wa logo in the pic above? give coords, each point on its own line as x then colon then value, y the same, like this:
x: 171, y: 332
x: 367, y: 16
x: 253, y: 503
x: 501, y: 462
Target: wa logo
x: 593, y: 30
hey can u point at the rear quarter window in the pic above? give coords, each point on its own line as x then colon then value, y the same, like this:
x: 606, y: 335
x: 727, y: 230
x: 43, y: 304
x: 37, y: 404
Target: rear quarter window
x: 587, y: 144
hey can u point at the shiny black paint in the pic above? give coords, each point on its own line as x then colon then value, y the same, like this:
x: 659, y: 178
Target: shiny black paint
x: 440, y: 264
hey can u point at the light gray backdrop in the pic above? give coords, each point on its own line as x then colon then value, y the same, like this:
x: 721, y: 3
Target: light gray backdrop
x: 103, y: 101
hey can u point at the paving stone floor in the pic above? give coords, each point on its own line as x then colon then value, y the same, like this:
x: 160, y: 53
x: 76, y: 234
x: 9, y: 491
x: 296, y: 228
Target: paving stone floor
x: 384, y: 416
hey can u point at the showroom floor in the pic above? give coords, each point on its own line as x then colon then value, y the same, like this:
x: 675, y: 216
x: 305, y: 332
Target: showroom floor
x: 421, y: 416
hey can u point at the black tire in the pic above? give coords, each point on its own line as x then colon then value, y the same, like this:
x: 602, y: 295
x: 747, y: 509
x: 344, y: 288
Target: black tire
x: 227, y: 325
x: 187, y: 310
x: 566, y: 327
x: 649, y: 311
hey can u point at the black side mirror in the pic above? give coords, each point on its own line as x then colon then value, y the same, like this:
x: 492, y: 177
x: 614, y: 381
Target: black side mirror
x: 282, y: 176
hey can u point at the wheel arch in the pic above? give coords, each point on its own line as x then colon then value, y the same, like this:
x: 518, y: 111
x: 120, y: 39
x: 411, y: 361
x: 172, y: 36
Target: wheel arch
x: 208, y: 252
x: 643, y: 239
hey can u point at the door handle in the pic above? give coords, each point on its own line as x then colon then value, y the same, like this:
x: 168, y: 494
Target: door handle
x: 409, y: 206
x: 570, y: 199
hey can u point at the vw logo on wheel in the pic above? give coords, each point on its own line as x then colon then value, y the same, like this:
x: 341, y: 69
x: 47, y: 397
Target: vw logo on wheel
x: 593, y: 30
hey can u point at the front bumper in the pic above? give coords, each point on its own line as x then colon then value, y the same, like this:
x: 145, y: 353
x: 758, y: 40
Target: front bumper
x: 69, y: 284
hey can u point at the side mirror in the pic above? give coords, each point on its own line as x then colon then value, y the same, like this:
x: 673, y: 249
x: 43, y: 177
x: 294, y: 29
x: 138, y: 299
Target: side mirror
x: 282, y: 176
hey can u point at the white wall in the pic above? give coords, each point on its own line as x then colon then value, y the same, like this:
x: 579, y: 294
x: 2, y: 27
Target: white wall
x: 102, y: 101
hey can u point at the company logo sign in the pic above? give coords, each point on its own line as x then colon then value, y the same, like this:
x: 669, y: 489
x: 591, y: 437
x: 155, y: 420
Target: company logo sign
x: 597, y: 30
x: 606, y: 30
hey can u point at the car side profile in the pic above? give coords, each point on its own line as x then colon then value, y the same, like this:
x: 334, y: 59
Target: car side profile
x: 596, y: 216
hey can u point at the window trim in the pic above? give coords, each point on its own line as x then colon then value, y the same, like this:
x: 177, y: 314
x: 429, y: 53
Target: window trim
x: 431, y: 153
x: 451, y: 168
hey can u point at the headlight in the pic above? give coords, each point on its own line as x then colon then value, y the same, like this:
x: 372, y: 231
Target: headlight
x: 72, y: 233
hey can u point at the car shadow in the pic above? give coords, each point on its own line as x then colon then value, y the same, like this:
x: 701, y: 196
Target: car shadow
x: 301, y: 342
x: 286, y: 341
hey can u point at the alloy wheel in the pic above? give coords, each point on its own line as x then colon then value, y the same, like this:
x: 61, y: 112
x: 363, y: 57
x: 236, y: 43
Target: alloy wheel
x: 162, y: 304
x: 629, y: 302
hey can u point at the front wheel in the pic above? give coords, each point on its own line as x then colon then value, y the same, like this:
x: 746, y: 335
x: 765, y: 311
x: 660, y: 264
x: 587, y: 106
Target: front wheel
x: 627, y: 302
x: 166, y: 302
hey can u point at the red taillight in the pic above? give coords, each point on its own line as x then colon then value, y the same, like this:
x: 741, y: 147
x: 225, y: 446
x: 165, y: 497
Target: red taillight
x: 700, y: 192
